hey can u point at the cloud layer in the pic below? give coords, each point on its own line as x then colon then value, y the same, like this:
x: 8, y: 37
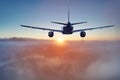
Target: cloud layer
x: 44, y: 60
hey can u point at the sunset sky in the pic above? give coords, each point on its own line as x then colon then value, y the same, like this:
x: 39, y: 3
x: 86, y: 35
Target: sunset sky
x: 14, y: 13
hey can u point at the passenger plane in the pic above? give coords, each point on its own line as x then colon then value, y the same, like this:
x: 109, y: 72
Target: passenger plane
x: 67, y: 28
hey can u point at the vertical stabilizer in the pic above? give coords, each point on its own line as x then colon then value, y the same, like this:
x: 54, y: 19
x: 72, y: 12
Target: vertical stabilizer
x: 68, y: 15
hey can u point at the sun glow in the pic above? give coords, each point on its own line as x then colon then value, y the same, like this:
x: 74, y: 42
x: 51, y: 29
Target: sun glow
x: 60, y: 40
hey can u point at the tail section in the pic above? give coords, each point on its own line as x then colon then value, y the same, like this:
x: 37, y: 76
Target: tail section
x: 69, y: 21
x: 73, y: 23
x: 68, y: 15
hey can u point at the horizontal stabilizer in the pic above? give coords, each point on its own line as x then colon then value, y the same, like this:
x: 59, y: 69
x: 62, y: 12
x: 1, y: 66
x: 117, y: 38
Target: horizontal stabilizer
x: 78, y: 23
x: 59, y: 23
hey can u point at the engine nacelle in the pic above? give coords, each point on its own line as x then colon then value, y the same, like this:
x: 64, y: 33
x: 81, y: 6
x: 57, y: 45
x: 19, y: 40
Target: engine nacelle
x: 83, y: 34
x: 51, y: 34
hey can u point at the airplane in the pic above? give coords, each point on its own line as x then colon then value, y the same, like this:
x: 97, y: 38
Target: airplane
x: 67, y: 28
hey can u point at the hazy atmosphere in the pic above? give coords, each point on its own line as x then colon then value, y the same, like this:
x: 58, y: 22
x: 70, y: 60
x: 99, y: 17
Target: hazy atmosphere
x: 29, y: 54
x: 44, y: 60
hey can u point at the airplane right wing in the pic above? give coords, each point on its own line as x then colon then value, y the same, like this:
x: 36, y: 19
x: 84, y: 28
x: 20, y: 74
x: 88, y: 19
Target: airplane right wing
x: 42, y: 28
x: 92, y: 28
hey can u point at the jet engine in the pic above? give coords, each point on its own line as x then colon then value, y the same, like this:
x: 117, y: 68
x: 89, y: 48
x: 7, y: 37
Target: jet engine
x: 83, y: 34
x: 51, y: 34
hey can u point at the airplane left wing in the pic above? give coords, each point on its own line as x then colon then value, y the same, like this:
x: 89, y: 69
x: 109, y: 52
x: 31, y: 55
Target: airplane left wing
x: 92, y: 28
x: 42, y: 28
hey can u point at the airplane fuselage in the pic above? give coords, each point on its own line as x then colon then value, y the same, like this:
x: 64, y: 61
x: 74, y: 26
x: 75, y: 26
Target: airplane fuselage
x: 68, y: 29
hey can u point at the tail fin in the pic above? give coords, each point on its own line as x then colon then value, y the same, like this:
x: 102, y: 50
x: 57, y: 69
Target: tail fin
x: 68, y: 15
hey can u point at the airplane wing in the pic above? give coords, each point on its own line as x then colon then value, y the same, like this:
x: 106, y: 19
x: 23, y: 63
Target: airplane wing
x: 92, y: 28
x: 42, y: 28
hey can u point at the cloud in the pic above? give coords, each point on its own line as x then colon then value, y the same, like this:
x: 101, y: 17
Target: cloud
x: 44, y: 60
x: 105, y: 68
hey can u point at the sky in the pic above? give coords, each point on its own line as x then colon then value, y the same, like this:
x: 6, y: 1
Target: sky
x: 14, y: 13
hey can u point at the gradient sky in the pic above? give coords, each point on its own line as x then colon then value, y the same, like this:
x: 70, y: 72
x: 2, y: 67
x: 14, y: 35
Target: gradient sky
x: 41, y: 12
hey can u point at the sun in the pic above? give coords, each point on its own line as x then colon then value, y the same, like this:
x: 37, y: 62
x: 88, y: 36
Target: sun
x: 60, y: 40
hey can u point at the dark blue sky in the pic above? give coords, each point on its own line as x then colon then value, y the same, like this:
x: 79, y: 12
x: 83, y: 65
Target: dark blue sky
x: 41, y: 12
